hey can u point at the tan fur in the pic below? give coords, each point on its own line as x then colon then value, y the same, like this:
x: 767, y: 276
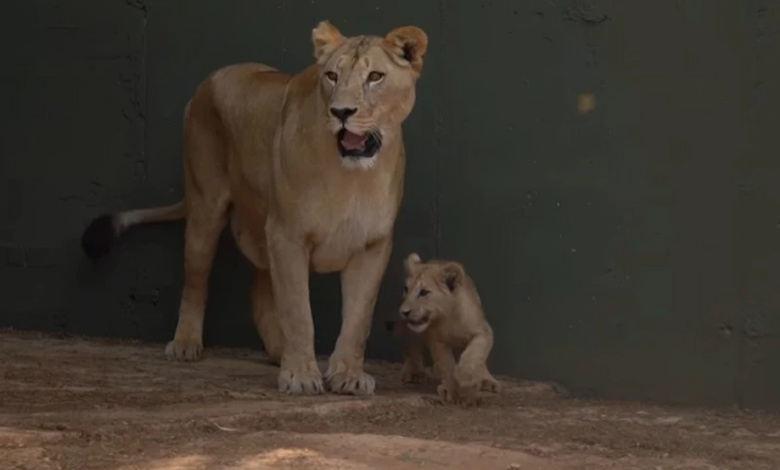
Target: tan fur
x: 413, y: 369
x: 442, y: 292
x: 260, y: 154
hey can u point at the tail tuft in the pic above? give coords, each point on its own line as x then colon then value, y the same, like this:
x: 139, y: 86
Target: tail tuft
x: 99, y: 236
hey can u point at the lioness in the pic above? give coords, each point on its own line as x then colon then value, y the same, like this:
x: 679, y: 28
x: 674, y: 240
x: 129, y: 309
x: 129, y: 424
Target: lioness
x: 442, y: 305
x: 309, y: 170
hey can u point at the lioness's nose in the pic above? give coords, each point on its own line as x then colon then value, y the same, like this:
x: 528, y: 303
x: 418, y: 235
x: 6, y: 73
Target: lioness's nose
x: 405, y: 313
x: 343, y: 113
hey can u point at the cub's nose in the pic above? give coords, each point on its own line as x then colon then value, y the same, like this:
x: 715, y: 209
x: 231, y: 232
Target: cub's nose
x: 342, y: 114
x: 405, y: 313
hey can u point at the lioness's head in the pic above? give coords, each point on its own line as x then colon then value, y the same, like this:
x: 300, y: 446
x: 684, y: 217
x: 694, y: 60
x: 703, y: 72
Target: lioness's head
x: 368, y: 85
x: 429, y: 291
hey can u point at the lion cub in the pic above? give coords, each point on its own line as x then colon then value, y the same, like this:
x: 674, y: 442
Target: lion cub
x: 441, y: 306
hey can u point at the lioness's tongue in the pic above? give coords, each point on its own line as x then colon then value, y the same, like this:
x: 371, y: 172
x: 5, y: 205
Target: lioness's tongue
x: 352, y: 141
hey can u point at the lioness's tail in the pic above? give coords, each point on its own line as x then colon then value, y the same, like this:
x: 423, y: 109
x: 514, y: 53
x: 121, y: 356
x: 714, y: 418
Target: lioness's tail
x: 101, y: 233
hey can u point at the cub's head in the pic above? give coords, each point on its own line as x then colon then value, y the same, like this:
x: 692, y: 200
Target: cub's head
x: 429, y: 291
x: 368, y: 85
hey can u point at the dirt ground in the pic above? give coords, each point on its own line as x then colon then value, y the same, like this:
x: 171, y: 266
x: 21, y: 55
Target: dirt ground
x: 95, y: 404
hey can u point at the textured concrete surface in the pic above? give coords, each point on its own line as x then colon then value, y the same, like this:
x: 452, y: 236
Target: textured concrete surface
x: 606, y: 170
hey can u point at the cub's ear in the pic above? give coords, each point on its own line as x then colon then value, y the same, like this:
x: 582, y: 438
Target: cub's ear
x: 452, y: 274
x: 408, y: 43
x: 326, y: 39
x: 411, y: 263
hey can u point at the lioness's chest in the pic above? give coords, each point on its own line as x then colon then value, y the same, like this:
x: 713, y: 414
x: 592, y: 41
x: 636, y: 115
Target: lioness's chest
x: 342, y: 231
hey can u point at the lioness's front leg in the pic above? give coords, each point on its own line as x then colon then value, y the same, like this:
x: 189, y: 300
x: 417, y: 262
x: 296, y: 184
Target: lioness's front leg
x: 360, y: 282
x: 289, y: 266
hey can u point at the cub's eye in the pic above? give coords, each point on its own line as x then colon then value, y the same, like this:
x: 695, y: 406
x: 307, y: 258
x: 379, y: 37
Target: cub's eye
x: 424, y: 292
x: 375, y: 77
x: 332, y: 76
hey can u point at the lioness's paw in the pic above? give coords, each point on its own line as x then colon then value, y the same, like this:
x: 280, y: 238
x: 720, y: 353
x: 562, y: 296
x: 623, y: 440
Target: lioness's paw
x: 184, y: 350
x: 351, y: 382
x: 303, y: 382
x: 491, y: 385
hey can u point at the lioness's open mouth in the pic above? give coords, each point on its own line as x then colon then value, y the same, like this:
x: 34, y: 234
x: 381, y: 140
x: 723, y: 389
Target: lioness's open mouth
x: 356, y: 145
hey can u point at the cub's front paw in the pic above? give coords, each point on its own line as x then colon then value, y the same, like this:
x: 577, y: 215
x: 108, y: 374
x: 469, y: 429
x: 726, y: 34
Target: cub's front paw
x: 468, y: 396
x: 412, y: 374
x: 490, y: 384
x: 447, y: 392
x: 450, y: 392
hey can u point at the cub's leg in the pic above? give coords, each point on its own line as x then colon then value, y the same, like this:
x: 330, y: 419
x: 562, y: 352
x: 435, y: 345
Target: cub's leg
x: 444, y: 363
x: 360, y: 282
x: 204, y: 225
x: 265, y: 316
x: 413, y: 370
x: 289, y: 262
x: 489, y: 383
x: 470, y: 371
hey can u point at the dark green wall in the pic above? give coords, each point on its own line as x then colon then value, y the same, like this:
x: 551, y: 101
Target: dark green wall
x: 630, y: 252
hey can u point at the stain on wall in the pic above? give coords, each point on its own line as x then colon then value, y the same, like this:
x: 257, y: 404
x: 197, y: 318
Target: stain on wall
x: 606, y: 170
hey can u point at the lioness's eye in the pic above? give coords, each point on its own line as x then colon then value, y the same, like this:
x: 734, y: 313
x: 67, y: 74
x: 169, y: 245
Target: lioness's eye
x: 374, y: 77
x: 424, y: 292
x: 332, y: 76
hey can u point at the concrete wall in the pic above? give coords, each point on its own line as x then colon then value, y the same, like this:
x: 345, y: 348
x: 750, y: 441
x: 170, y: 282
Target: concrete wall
x: 631, y: 252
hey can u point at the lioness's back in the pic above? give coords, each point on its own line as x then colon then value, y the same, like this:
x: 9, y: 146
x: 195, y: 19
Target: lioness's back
x: 232, y: 116
x: 241, y: 91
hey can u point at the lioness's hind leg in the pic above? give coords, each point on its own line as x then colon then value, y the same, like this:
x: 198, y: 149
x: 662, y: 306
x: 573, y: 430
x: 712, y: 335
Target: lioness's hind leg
x: 206, y: 197
x: 204, y: 226
x: 265, y: 316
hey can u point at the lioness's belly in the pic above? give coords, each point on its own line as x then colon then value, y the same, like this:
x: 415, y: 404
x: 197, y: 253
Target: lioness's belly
x: 334, y: 252
x: 252, y: 246
x: 335, y: 249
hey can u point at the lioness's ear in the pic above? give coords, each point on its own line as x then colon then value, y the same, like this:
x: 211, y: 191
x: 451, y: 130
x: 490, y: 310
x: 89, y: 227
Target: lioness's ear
x: 411, y: 263
x: 326, y: 39
x: 408, y: 43
x: 452, y: 274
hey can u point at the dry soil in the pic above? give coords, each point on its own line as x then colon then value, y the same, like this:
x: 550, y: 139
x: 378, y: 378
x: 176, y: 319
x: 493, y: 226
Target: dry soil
x: 79, y: 404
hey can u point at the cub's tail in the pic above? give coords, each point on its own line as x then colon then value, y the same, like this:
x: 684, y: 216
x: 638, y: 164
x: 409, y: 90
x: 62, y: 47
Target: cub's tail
x: 104, y: 230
